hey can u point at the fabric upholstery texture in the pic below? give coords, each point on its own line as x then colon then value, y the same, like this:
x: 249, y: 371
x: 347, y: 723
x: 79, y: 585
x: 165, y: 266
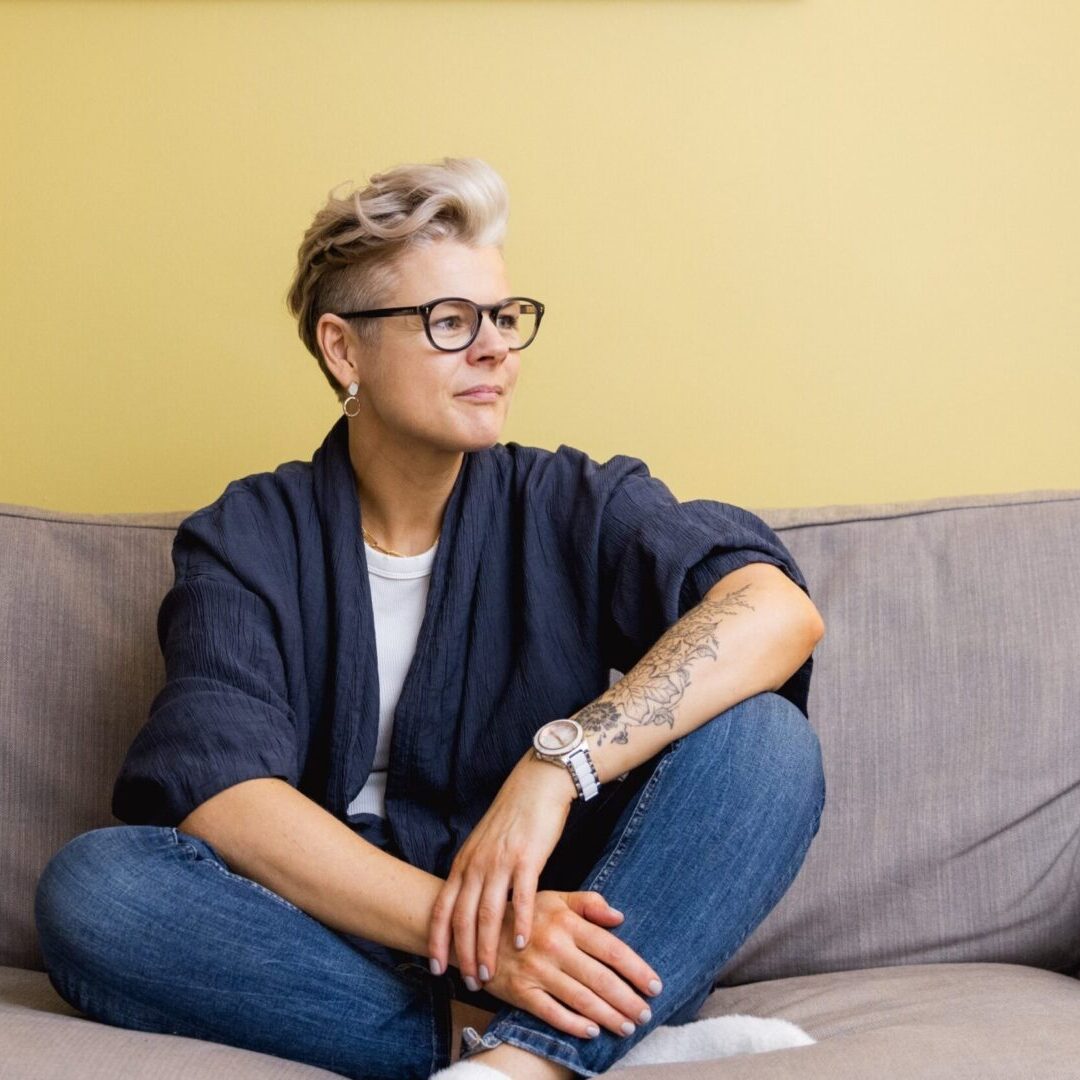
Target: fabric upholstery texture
x: 944, y: 694
x: 930, y: 1021
x: 934, y: 1022
x: 33, y: 1017
x: 79, y: 666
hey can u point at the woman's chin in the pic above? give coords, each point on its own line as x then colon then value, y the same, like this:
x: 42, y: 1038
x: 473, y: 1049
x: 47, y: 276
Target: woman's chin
x: 480, y: 443
x: 481, y: 436
x: 465, y: 443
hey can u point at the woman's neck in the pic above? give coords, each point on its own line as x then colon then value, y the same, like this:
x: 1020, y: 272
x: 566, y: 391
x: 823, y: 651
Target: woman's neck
x: 402, y: 497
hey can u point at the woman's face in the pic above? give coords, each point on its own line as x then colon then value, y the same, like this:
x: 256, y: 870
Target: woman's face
x: 416, y: 393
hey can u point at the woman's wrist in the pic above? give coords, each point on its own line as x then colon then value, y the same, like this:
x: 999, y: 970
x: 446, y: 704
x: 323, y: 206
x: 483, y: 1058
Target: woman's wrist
x: 553, y: 776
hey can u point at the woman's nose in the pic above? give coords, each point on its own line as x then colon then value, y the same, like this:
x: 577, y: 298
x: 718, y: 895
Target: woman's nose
x: 489, y: 341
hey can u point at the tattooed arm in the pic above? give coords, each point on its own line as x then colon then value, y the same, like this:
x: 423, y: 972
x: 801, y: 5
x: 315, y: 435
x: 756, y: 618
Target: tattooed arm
x: 751, y: 632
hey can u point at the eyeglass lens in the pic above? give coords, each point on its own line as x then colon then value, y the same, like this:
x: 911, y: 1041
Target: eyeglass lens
x: 452, y: 323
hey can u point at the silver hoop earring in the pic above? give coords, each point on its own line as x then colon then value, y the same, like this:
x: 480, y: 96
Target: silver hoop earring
x: 353, y: 387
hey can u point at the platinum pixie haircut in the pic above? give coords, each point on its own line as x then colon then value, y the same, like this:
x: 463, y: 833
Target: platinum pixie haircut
x: 346, y: 259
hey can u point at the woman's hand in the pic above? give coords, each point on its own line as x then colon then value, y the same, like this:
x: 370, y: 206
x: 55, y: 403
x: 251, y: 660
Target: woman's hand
x: 508, y: 849
x: 575, y: 973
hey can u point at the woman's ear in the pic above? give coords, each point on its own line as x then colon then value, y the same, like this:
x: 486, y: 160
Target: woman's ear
x: 339, y: 347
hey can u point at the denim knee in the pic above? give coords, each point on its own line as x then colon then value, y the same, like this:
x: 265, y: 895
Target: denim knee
x: 769, y: 736
x: 702, y: 851
x: 90, y: 869
x: 792, y: 743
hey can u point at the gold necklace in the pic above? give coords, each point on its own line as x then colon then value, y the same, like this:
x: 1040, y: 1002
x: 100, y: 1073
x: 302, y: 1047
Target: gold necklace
x: 386, y: 551
x: 377, y: 546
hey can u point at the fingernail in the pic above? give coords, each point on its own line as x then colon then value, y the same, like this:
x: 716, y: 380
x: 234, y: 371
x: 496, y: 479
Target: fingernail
x: 484, y: 976
x: 593, y: 1031
x: 627, y: 1028
x: 519, y: 941
x: 436, y: 967
x: 645, y: 1017
x: 471, y: 983
x: 654, y: 986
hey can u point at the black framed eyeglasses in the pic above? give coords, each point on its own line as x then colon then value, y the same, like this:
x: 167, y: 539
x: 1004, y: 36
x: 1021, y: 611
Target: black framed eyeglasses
x: 452, y: 322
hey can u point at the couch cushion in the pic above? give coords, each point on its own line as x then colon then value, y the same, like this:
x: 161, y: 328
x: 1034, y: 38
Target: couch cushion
x: 945, y: 696
x: 43, y: 1038
x: 933, y: 1021
x: 948, y: 1021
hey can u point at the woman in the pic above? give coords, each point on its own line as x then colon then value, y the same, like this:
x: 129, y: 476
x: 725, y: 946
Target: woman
x: 387, y: 794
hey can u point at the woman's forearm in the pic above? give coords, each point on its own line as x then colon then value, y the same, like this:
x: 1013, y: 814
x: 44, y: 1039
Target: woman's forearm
x: 751, y: 632
x: 269, y: 832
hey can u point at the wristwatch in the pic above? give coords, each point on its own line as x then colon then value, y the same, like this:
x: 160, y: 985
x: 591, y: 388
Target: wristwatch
x: 563, y: 742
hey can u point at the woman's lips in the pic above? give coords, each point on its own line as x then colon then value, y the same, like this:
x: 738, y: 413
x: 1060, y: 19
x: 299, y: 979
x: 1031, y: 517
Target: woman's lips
x: 481, y: 395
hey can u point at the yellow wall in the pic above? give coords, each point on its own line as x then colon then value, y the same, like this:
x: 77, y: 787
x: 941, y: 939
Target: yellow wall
x: 795, y: 252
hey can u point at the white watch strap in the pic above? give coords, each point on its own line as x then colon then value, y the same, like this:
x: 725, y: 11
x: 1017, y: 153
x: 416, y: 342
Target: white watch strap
x: 583, y: 773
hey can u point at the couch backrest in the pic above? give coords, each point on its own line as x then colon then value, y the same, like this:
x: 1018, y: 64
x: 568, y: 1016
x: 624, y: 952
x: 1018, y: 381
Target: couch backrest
x: 945, y: 695
x: 943, y: 692
x: 79, y: 666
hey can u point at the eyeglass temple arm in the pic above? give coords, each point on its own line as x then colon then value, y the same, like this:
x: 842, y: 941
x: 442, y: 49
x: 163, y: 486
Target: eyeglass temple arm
x: 379, y: 313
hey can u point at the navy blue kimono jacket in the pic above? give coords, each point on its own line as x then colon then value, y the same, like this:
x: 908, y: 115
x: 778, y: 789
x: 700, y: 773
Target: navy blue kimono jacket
x: 551, y: 570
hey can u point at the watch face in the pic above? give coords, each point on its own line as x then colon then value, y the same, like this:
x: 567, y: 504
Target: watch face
x: 557, y: 736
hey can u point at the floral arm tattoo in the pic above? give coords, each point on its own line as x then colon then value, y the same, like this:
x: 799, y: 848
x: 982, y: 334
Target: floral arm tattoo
x: 649, y: 693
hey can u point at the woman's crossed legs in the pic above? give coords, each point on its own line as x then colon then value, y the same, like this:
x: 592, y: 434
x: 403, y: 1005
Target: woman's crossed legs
x: 145, y: 927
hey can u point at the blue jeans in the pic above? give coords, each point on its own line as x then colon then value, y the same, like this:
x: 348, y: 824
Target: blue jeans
x: 145, y: 927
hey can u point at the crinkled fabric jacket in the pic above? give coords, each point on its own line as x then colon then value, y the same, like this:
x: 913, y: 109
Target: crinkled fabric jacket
x: 551, y: 570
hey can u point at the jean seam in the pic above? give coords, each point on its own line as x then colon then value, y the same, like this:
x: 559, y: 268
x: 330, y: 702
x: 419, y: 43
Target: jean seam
x: 192, y: 849
x: 561, y: 1053
x: 644, y: 798
x: 560, y: 1043
x: 181, y: 840
x: 773, y: 898
x: 487, y: 1041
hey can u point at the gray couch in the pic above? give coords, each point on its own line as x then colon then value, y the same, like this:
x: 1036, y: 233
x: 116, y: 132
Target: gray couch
x: 934, y: 930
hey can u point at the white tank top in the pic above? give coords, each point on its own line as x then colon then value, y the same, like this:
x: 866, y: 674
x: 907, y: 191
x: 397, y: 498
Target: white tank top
x: 399, y: 589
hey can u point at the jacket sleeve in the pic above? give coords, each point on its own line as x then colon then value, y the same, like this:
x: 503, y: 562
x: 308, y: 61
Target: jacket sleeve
x: 223, y: 715
x: 657, y: 557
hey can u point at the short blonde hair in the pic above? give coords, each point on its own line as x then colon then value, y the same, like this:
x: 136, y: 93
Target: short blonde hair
x: 346, y: 259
